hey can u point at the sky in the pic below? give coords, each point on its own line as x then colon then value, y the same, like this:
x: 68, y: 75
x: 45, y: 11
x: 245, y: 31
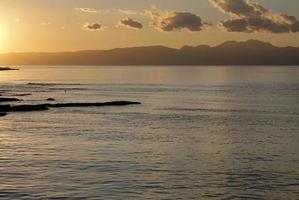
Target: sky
x: 71, y: 25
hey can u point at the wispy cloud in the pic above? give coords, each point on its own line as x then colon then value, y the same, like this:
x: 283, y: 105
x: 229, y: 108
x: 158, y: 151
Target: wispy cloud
x: 250, y: 17
x: 129, y: 12
x: 92, y: 10
x: 123, y: 11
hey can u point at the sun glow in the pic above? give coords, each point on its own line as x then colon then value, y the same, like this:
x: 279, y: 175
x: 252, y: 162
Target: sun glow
x: 3, y: 37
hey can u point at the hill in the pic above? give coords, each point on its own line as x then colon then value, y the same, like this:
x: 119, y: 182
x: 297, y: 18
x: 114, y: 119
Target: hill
x: 251, y: 52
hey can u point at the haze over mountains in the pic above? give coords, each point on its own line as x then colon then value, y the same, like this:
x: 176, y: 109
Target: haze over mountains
x: 251, y: 52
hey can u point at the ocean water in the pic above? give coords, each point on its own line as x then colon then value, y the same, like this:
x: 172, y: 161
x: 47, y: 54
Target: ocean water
x: 200, y: 133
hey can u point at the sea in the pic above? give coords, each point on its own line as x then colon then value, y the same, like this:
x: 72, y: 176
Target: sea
x: 201, y: 132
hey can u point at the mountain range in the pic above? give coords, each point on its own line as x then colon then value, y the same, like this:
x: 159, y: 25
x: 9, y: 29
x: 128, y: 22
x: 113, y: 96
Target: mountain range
x: 251, y: 52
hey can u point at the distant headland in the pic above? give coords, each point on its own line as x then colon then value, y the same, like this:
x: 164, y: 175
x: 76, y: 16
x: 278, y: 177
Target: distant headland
x: 251, y: 52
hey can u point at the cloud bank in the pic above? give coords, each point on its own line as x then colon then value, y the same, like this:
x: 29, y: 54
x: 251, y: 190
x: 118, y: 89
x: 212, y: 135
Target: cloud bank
x: 251, y: 17
x: 130, y: 23
x: 247, y: 17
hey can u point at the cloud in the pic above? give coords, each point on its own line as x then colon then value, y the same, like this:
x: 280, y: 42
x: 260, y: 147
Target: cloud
x: 130, y: 23
x: 93, y: 27
x: 92, y: 10
x: 87, y: 10
x: 105, y: 11
x: 123, y: 11
x: 251, y: 17
x: 171, y: 21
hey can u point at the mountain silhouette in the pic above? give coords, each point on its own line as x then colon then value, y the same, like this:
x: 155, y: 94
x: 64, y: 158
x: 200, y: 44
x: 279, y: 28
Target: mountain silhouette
x: 251, y: 52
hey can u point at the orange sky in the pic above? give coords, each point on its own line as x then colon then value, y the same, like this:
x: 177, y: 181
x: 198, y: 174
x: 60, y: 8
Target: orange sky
x: 58, y: 25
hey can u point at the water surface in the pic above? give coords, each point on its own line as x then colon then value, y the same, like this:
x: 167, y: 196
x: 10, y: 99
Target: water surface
x: 200, y: 133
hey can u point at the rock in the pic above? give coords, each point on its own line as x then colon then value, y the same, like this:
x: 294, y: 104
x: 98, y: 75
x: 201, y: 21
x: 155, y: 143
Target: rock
x: 2, y: 114
x: 112, y: 103
x: 5, y: 108
x: 21, y: 95
x: 3, y: 99
x: 22, y: 108
x: 26, y: 108
x: 7, y: 68
x: 50, y: 99
x: 43, y: 107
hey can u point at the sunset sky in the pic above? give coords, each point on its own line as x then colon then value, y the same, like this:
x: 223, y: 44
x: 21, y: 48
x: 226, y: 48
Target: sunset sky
x: 70, y: 25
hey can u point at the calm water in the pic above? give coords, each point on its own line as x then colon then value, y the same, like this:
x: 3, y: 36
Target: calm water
x: 201, y: 133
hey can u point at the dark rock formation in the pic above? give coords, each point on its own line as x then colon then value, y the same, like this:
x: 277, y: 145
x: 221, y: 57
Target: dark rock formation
x: 21, y: 95
x: 113, y: 103
x: 2, y: 114
x: 22, y: 108
x: 7, y: 68
x: 3, y: 99
x: 50, y: 99
x: 43, y: 107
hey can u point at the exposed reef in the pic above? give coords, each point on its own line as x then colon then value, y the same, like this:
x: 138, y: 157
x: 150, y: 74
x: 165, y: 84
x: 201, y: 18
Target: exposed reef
x: 44, y: 107
x: 50, y: 99
x: 21, y: 95
x: 7, y: 68
x: 5, y: 99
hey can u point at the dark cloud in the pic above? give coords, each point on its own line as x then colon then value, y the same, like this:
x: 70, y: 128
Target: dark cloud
x: 171, y: 21
x: 180, y: 20
x: 251, y: 17
x: 93, y: 27
x: 130, y: 23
